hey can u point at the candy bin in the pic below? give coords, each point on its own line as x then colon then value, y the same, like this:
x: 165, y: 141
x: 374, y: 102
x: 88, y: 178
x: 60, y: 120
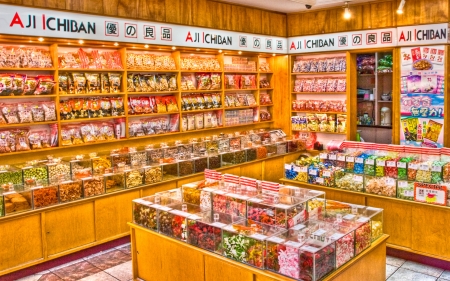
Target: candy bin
x: 251, y: 153
x: 168, y: 196
x: 134, y: 177
x: 170, y: 171
x: 137, y: 157
x: 154, y: 155
x: 350, y: 182
x: 380, y: 165
x: 56, y: 169
x: 424, y: 172
x: 93, y: 186
x: 150, y: 212
x: 313, y: 173
x: 34, y: 174
x: 293, y: 145
x: 385, y: 186
x: 114, y: 181
x: 153, y: 174
x: 70, y: 190
x: 236, y: 203
x: 405, y: 190
x: 200, y: 164
x: 223, y: 145
x: 375, y: 215
x: 316, y: 208
x: 214, y: 161
x: 169, y: 151
x: 323, y: 156
x: 245, y: 241
x: 185, y: 167
x: 261, y: 152
x: 271, y: 149
x: 206, y: 232
x: 16, y: 198
x: 359, y: 163
x: 326, y: 176
x: 10, y: 174
x: 413, y: 166
x: 120, y: 156
x: 228, y: 158
x: 178, y: 216
x: 240, y: 156
x: 236, y: 143
x: 402, y: 167
x: 350, y: 161
x: 281, y: 147
x: 212, y: 145
x: 199, y: 193
x: 290, y: 171
x: 436, y: 171
x: 81, y: 168
x: 100, y: 164
x: 198, y: 147
x: 369, y: 165
x: 249, y: 186
x: 334, y: 208
x: 44, y: 196
x: 185, y: 148
x: 340, y: 159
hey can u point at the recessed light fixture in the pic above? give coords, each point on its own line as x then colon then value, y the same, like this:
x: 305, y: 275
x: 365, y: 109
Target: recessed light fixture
x: 197, y: 49
x: 116, y: 44
x: 220, y: 51
x: 146, y: 46
x: 273, y: 55
x: 239, y: 52
x: 400, y: 7
x: 174, y: 48
x: 192, y: 54
x: 41, y: 39
x: 80, y: 41
x: 347, y: 13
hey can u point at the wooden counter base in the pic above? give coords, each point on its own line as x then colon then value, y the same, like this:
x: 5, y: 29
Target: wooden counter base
x: 158, y: 257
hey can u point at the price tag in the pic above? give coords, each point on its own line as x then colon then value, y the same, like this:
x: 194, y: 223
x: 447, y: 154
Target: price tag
x: 208, y: 189
x: 282, y: 206
x: 359, y: 160
x: 319, y: 180
x: 357, y: 178
x: 230, y: 228
x: 413, y: 166
x: 424, y: 167
x: 349, y: 217
x: 332, y: 156
x: 218, y: 224
x: 370, y: 162
x: 319, y: 232
x: 363, y: 219
x: 402, y: 184
x: 220, y: 192
x: 436, y: 169
x: 194, y: 217
x: 323, y: 156
x: 390, y: 181
x: 298, y: 227
x: 287, y: 166
x: 313, y: 172
x: 162, y: 208
x: 256, y: 200
x: 275, y: 239
x: 309, y: 249
x: 390, y: 163
x: 304, y: 169
x: 408, y: 193
x: 401, y: 165
x: 381, y: 163
x: 143, y: 202
x: 336, y: 236
x: 258, y: 236
x: 293, y: 244
x: 180, y: 213
x: 341, y: 158
x: 350, y: 159
x: 326, y: 174
x: 297, y: 169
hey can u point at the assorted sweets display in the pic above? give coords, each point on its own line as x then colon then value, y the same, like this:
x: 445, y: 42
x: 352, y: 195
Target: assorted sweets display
x: 320, y: 85
x: 148, y: 61
x: 23, y: 84
x: 321, y: 235
x: 387, y: 170
x: 310, y: 65
x: 25, y: 57
x: 95, y: 59
x: 320, y: 122
x: 59, y: 180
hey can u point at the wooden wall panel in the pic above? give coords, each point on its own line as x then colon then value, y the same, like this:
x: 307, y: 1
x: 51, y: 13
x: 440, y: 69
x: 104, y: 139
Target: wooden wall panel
x: 221, y: 13
x: 152, y: 10
x: 51, y: 4
x: 380, y: 14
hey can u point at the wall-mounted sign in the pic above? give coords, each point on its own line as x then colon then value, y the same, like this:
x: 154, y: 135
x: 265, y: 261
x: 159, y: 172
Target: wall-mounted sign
x: 423, y: 34
x: 430, y: 193
x: 27, y: 21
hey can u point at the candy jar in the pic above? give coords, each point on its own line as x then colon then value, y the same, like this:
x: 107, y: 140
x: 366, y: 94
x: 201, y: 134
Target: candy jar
x: 80, y: 167
x: 350, y: 182
x: 405, y: 190
x: 170, y: 171
x: 114, y: 181
x: 93, y: 186
x: 154, y: 155
x: 70, y: 190
x: 153, y: 174
x: 178, y: 216
x: 16, y: 198
x: 385, y: 186
x: 134, y: 177
x: 44, y: 196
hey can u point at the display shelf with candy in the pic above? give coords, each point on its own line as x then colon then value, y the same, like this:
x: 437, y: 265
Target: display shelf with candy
x: 92, y: 95
x: 27, y: 97
x: 89, y: 119
x: 318, y: 93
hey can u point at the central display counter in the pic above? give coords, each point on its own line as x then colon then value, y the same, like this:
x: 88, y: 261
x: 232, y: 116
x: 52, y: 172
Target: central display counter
x: 157, y: 257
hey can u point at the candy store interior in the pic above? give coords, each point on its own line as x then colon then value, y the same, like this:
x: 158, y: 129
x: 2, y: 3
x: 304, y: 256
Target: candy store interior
x: 224, y: 140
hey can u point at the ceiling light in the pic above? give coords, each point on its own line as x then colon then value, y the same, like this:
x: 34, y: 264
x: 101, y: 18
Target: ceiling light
x: 197, y: 49
x: 400, y: 7
x: 239, y: 52
x: 40, y: 39
x: 273, y: 55
x: 116, y: 44
x: 220, y: 51
x: 80, y: 41
x: 174, y: 48
x: 347, y: 14
x: 146, y: 46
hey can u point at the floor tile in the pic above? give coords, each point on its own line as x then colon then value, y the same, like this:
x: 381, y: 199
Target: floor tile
x: 403, y: 274
x: 394, y: 261
x: 109, y: 259
x: 123, y: 272
x: 126, y: 249
x: 124, y: 245
x: 445, y: 275
x: 101, y: 276
x: 390, y: 269
x: 34, y: 277
x: 425, y: 269
x: 99, y: 254
x: 77, y: 271
x: 66, y: 264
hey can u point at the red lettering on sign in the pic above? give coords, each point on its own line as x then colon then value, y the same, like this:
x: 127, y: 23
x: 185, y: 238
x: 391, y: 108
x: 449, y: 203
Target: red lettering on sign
x: 292, y: 46
x: 189, y: 37
x: 402, y: 37
x: 16, y: 20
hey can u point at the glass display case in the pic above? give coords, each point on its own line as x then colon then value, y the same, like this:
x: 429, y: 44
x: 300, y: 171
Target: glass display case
x: 17, y: 199
x: 34, y: 174
x: 57, y: 169
x: 155, y: 155
x: 199, y: 193
x: 93, y: 186
x: 100, y: 164
x: 153, y: 174
x: 149, y: 210
x: 134, y: 177
x: 81, y: 168
x: 44, y: 196
x: 170, y: 171
x: 349, y: 181
x: 200, y: 164
x: 245, y: 241
x: 70, y: 190
x: 185, y: 167
x: 385, y: 186
x: 114, y: 181
x: 10, y: 174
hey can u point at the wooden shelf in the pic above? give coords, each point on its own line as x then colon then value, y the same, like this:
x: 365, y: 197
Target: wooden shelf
x: 327, y: 112
x: 91, y: 119
x: 334, y: 133
x: 264, y: 72
x: 151, y: 114
x: 239, y: 90
x: 90, y: 70
x: 153, y: 70
x: 317, y: 73
x: 261, y: 105
x: 26, y: 69
x: 200, y: 110
x: 27, y: 124
x: 153, y: 93
x: 384, y: 101
x: 201, y: 71
x: 240, y: 107
x: 92, y: 95
x: 319, y: 93
x: 28, y: 97
x: 241, y: 72
x: 265, y: 89
x: 200, y: 91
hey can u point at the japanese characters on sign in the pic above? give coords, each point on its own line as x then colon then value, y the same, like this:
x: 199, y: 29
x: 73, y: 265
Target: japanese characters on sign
x: 430, y: 193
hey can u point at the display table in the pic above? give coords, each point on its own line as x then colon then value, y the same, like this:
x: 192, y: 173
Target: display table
x: 158, y: 257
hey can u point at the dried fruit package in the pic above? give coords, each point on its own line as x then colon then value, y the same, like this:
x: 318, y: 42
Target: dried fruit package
x: 232, y: 81
x: 34, y: 139
x: 160, y: 104
x: 24, y: 112
x: 134, y: 103
x: 163, y: 83
x: 172, y: 82
x: 19, y: 84
x: 114, y: 81
x: 117, y: 107
x: 10, y: 113
x: 30, y: 85
x: 63, y: 84
x: 130, y: 83
x: 150, y: 80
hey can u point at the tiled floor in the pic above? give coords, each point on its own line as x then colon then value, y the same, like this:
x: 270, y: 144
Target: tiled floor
x: 110, y: 265
x: 115, y: 264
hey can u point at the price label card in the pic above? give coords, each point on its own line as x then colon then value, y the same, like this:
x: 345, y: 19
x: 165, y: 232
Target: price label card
x: 258, y: 236
x: 363, y: 219
x: 381, y: 163
x: 208, y: 189
x: 293, y: 244
x: 313, y: 172
x: 319, y: 180
x: 297, y: 169
x: 304, y: 169
x: 298, y: 227
x: 402, y: 184
x: 391, y: 163
x: 218, y: 224
x: 424, y: 167
x: 359, y: 160
x: 349, y: 217
x: 341, y: 158
x: 309, y: 249
x: 408, y: 193
x: 282, y: 206
x: 370, y: 162
x: 319, y: 232
x: 401, y: 165
x: 275, y: 239
x: 413, y: 166
x: 332, y: 156
x: 326, y: 174
x: 287, y: 166
x: 358, y: 178
x: 390, y: 181
x: 323, y: 156
x: 436, y: 169
x: 336, y: 236
x: 350, y: 159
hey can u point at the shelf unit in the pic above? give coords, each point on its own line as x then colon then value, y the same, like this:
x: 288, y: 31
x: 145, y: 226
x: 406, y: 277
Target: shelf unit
x: 59, y: 48
x: 323, y: 137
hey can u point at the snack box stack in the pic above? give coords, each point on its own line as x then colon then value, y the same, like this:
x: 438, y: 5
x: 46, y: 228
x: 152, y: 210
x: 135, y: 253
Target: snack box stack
x: 147, y: 211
